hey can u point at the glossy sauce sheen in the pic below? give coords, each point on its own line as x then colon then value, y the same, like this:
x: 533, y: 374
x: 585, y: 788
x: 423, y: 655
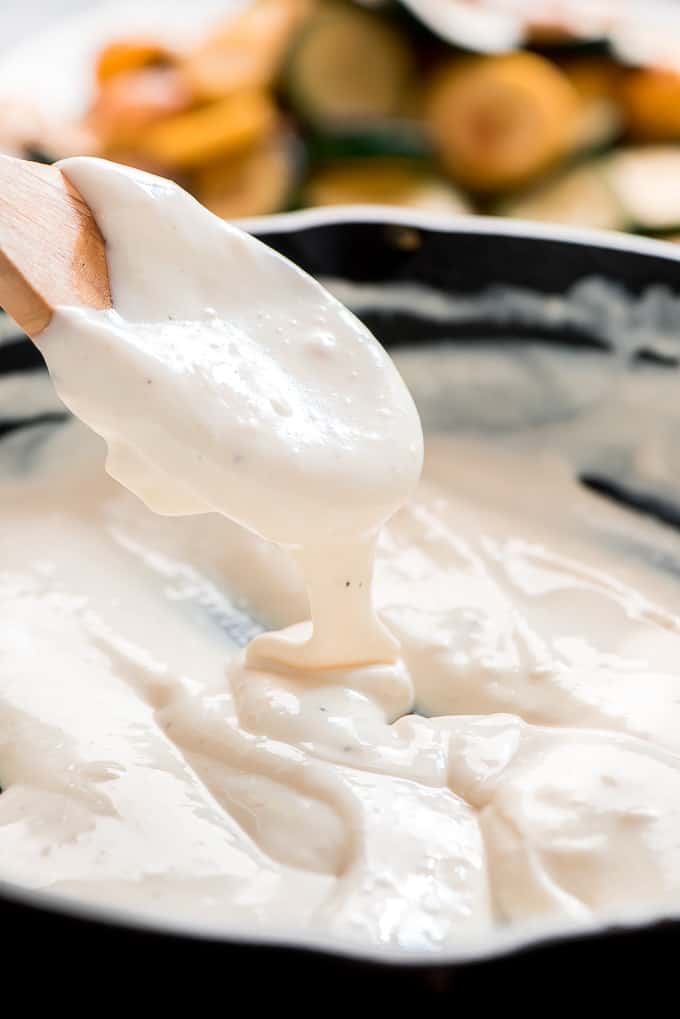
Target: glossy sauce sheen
x: 149, y: 765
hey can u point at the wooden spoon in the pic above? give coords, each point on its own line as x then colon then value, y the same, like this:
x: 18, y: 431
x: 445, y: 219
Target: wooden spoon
x: 51, y: 249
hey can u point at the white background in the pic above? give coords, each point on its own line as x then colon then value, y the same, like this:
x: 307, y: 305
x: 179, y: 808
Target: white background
x: 20, y: 18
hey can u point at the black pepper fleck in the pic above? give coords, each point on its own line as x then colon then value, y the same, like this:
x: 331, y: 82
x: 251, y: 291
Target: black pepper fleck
x: 347, y: 583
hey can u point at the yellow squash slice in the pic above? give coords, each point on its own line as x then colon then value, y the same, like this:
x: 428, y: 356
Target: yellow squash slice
x: 499, y: 121
x: 226, y: 127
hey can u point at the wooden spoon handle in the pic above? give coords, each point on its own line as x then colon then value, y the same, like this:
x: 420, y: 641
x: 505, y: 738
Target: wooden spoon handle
x: 51, y: 249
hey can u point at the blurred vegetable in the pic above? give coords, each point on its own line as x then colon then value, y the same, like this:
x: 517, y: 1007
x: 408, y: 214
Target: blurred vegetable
x: 373, y: 138
x: 223, y: 128
x: 646, y: 181
x: 131, y: 55
x: 499, y: 121
x: 592, y: 77
x: 597, y: 82
x: 633, y: 189
x: 582, y: 196
x: 599, y: 126
x: 348, y: 64
x: 382, y: 182
x: 247, y: 52
x: 651, y: 104
x: 131, y: 101
x: 323, y: 102
x: 262, y: 181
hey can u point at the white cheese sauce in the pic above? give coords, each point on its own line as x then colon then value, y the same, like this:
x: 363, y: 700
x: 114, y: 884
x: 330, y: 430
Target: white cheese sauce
x: 148, y: 764
x: 225, y: 378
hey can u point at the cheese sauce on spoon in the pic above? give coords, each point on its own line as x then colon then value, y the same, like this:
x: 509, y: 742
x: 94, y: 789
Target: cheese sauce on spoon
x: 226, y: 379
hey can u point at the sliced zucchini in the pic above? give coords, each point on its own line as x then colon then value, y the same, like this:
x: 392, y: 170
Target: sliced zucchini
x: 262, y: 181
x: 382, y: 182
x: 646, y: 181
x: 651, y: 104
x: 347, y: 64
x: 223, y: 128
x: 580, y: 197
x: 382, y: 138
x: 500, y: 121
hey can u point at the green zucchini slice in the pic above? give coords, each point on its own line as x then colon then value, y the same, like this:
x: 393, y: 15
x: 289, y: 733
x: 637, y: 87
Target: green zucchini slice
x: 347, y: 64
x: 371, y: 139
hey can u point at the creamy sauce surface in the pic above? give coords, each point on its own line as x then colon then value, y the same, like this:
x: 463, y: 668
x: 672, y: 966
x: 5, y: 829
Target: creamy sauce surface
x: 516, y: 761
x: 540, y: 780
